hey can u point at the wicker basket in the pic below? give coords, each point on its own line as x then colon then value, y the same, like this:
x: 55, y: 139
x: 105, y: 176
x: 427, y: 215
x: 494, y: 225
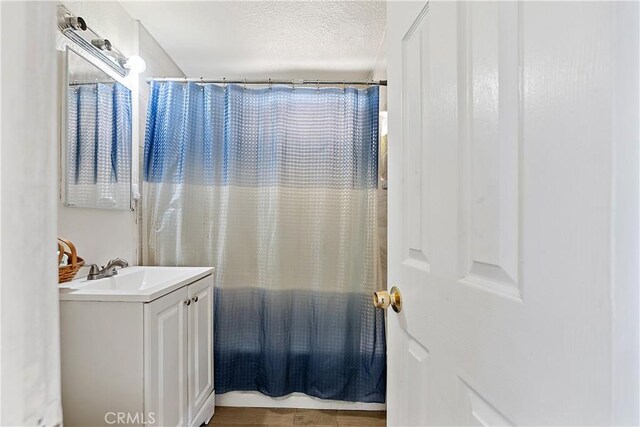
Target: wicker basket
x: 66, y: 273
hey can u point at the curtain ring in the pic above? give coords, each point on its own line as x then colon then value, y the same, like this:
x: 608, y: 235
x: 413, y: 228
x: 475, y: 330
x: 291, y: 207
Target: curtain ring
x: 245, y: 85
x: 293, y: 86
x: 318, y: 86
x: 269, y: 84
x: 224, y: 82
x: 344, y: 86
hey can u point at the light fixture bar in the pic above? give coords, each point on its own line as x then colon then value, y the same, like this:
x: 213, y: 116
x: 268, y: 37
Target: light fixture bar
x: 74, y: 26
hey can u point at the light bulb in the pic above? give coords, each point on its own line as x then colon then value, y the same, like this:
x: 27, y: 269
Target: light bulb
x: 135, y: 64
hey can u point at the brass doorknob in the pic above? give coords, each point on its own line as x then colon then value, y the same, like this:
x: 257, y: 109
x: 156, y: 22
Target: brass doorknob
x: 384, y: 299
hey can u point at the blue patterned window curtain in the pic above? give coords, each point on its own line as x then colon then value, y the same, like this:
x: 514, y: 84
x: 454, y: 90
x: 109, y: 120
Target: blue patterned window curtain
x: 98, y: 145
x: 276, y: 188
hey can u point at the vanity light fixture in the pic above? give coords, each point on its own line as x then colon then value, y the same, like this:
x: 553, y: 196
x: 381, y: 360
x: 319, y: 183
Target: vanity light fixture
x: 77, y: 30
x: 67, y: 21
x: 135, y: 64
x: 102, y: 44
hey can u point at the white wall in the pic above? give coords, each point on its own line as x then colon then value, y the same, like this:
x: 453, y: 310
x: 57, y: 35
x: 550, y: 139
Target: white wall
x: 30, y: 355
x: 379, y: 71
x: 100, y: 235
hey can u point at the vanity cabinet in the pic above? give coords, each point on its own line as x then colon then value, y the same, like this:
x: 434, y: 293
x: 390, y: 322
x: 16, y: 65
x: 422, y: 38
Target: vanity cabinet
x: 139, y: 362
x: 200, y: 343
x: 179, y: 355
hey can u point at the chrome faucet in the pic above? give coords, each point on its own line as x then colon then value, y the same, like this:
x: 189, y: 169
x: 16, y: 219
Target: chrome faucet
x: 106, y: 271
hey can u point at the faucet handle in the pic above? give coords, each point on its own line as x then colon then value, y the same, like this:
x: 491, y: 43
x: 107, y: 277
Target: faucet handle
x: 93, y: 271
x: 117, y: 262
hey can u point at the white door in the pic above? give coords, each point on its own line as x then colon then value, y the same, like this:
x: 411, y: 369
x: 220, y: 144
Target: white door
x: 507, y: 127
x: 200, y: 344
x: 166, y: 359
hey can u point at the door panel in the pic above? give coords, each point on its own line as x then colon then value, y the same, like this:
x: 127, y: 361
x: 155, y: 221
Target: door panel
x: 490, y: 147
x: 200, y: 343
x: 425, y: 166
x: 500, y: 189
x: 165, y: 357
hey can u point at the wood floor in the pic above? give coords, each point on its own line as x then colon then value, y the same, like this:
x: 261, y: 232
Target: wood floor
x: 227, y: 416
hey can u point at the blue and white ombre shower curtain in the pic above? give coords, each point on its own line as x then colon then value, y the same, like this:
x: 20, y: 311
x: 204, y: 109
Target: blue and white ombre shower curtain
x: 276, y: 188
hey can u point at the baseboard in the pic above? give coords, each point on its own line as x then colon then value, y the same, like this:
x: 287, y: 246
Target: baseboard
x: 256, y: 399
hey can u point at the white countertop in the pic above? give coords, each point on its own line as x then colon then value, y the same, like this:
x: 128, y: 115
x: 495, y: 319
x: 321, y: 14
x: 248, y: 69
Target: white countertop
x: 133, y: 284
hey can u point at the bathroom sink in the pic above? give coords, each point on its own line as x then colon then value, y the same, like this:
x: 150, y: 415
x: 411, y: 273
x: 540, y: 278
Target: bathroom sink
x: 139, y: 284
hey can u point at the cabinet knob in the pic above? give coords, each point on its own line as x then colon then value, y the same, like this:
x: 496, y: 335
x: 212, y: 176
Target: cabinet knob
x: 187, y: 302
x: 195, y: 299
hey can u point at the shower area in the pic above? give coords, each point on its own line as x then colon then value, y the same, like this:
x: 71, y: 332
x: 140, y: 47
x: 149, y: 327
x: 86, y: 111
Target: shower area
x: 281, y: 186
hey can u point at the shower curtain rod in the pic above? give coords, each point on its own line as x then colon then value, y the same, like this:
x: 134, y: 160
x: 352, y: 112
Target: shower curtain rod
x: 90, y: 83
x: 270, y: 81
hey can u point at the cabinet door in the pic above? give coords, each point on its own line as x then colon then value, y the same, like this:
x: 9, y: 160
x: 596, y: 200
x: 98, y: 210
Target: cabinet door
x: 166, y: 359
x: 200, y: 343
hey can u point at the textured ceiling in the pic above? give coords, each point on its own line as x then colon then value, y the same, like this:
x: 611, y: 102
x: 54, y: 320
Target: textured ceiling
x: 276, y: 39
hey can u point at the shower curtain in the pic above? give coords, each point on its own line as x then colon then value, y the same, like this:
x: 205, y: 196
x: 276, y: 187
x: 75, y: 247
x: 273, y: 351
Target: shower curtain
x: 98, y: 145
x: 276, y: 188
